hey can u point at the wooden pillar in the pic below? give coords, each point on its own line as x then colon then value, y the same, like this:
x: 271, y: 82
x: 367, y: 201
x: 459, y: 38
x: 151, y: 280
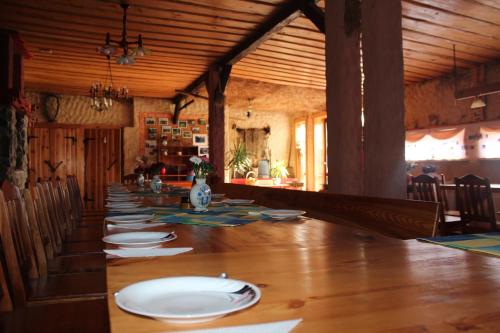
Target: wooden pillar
x: 6, y: 67
x: 343, y: 75
x: 216, y: 84
x: 384, y: 132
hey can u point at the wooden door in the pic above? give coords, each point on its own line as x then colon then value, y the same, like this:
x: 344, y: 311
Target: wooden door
x: 102, y: 164
x: 55, y: 152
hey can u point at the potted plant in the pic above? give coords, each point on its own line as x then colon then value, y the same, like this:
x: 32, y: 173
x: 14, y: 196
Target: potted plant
x: 240, y: 161
x: 200, y: 194
x: 278, y: 171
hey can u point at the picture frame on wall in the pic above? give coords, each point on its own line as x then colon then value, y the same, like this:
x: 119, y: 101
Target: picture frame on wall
x: 195, y: 130
x: 151, y: 144
x: 187, y: 134
x: 150, y: 121
x: 176, y: 131
x: 200, y: 139
x: 166, y: 129
x: 191, y: 122
x: 183, y: 124
x: 163, y: 121
x: 152, y: 133
x: 202, y: 121
x: 203, y: 151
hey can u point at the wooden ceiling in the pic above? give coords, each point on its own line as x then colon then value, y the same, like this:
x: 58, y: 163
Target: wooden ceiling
x: 188, y: 35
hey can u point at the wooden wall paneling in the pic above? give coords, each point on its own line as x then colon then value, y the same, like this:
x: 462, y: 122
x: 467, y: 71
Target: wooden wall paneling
x: 383, y: 98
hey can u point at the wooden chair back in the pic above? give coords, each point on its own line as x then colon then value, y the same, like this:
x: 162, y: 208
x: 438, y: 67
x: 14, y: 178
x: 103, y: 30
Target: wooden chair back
x: 36, y: 235
x: 475, y: 200
x: 444, y: 195
x: 46, y: 231
x: 75, y: 197
x: 49, y: 219
x: 392, y: 217
x: 5, y: 298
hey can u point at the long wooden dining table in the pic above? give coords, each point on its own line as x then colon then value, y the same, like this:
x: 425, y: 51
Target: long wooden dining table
x: 336, y: 278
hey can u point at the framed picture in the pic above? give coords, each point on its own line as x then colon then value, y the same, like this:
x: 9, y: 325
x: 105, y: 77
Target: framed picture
x: 187, y: 135
x: 200, y: 139
x: 166, y: 129
x: 176, y: 131
x: 150, y: 121
x: 202, y: 151
x: 202, y: 121
x: 183, y: 124
x: 163, y: 121
x: 191, y: 122
x: 152, y: 133
x: 195, y: 130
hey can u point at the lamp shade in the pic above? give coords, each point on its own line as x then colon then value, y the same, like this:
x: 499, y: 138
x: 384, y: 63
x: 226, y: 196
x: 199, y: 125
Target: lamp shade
x: 477, y: 103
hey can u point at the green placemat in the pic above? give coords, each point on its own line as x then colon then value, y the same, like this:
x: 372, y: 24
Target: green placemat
x: 488, y: 243
x: 221, y: 216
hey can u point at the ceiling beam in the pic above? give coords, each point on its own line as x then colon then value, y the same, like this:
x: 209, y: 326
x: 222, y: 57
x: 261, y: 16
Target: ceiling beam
x: 314, y: 13
x: 281, y: 17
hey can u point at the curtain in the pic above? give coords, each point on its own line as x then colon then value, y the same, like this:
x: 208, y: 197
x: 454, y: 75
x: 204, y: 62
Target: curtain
x: 489, y: 143
x: 436, y: 145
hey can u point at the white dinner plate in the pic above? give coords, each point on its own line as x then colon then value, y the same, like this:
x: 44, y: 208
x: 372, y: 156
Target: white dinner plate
x: 121, y: 198
x: 127, y: 211
x: 282, y: 214
x: 122, y: 205
x: 187, y: 299
x: 218, y: 195
x: 235, y: 202
x: 125, y: 219
x: 140, y: 239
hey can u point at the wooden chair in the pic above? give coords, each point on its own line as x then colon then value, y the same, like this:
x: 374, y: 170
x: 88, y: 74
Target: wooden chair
x: 426, y: 188
x: 130, y: 178
x: 5, y: 299
x: 28, y: 283
x: 475, y: 203
x: 444, y: 195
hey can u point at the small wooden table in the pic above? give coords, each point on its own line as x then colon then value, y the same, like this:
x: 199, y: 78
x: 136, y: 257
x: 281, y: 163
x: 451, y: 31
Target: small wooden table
x: 336, y: 278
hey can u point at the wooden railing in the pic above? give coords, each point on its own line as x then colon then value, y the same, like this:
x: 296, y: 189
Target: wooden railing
x: 398, y: 218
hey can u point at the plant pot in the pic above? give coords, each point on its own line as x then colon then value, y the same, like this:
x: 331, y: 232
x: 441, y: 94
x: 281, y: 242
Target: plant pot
x: 200, y: 195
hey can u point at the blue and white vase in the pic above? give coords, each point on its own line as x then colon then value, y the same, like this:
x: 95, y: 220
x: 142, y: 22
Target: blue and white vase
x: 200, y: 195
x: 156, y: 184
x: 140, y: 180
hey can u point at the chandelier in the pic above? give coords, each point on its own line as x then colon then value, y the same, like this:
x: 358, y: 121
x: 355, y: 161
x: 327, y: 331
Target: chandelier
x: 128, y: 55
x: 102, y: 95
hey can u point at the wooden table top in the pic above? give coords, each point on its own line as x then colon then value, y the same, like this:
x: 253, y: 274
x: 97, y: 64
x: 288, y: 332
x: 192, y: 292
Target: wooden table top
x: 336, y: 278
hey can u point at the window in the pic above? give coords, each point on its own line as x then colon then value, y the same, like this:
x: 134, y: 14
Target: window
x: 435, y: 145
x: 489, y: 143
x: 319, y: 153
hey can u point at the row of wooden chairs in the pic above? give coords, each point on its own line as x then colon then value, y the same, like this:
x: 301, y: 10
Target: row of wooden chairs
x: 49, y: 253
x: 473, y: 198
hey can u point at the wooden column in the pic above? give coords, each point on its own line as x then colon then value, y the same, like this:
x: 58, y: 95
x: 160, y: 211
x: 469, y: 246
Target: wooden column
x: 343, y: 76
x: 384, y: 132
x: 6, y: 67
x: 216, y: 82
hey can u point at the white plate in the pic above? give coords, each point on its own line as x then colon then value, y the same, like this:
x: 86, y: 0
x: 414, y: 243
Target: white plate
x: 188, y: 299
x: 121, y: 198
x: 140, y: 239
x: 218, y: 195
x: 122, y: 205
x: 123, y: 219
x: 235, y: 202
x: 135, y: 210
x: 282, y: 214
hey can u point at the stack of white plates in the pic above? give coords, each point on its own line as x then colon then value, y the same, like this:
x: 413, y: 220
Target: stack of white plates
x: 283, y: 214
x: 238, y: 202
x: 120, y: 205
x: 127, y: 219
x: 188, y: 299
x: 140, y: 239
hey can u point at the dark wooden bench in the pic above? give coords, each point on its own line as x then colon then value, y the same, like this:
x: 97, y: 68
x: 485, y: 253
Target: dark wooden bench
x: 404, y: 219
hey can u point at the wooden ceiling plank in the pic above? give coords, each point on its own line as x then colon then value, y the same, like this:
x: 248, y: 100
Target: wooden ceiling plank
x: 288, y: 67
x: 271, y: 60
x: 434, y: 49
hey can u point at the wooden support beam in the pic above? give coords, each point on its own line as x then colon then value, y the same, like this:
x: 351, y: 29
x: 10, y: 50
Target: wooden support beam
x: 218, y: 77
x: 279, y: 19
x: 482, y: 90
x: 6, y: 67
x: 186, y: 105
x: 314, y: 13
x: 186, y: 93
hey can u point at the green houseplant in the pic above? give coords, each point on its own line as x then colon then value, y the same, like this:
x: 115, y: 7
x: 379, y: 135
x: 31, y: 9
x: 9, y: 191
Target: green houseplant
x: 240, y: 161
x: 278, y: 171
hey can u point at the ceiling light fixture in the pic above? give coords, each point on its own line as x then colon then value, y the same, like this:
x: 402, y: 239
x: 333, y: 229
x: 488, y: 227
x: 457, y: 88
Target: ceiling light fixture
x: 128, y: 55
x: 102, y: 95
x: 477, y: 103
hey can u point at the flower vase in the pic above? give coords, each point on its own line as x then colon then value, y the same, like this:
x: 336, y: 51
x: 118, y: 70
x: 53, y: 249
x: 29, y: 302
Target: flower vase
x: 156, y: 184
x: 200, y: 195
x: 140, y: 180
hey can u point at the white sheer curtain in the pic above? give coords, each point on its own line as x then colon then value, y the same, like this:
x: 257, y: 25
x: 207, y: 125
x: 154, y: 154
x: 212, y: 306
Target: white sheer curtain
x: 489, y: 143
x: 435, y: 145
